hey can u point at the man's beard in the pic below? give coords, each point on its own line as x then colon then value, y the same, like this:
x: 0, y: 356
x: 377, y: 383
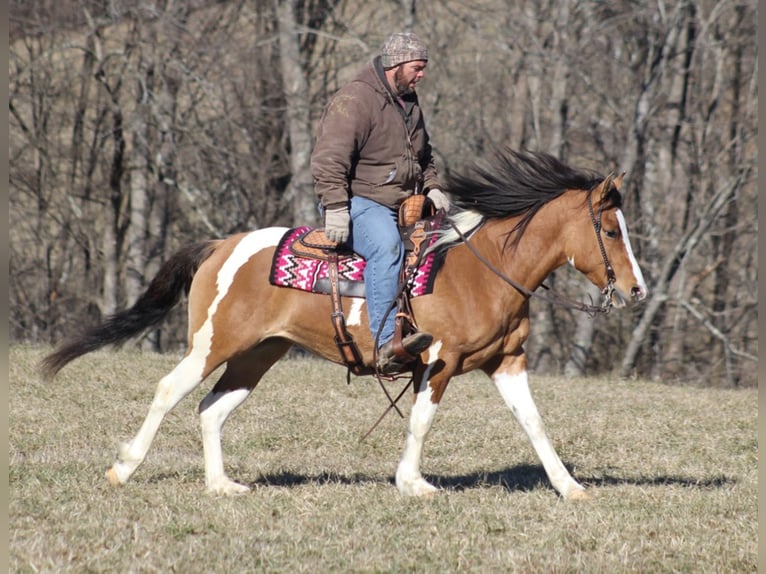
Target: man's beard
x: 402, y: 88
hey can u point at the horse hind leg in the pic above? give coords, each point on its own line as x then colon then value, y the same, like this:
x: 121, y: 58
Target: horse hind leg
x: 241, y: 376
x: 171, y: 389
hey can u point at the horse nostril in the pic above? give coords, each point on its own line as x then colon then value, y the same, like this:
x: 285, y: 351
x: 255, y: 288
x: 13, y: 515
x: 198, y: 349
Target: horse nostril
x: 637, y: 293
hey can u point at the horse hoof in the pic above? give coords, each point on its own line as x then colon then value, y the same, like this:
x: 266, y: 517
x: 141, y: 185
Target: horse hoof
x: 228, y: 488
x: 111, y: 476
x: 419, y: 487
x: 579, y: 495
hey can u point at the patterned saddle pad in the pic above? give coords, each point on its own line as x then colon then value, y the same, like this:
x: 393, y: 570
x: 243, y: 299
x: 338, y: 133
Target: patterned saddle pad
x: 291, y: 269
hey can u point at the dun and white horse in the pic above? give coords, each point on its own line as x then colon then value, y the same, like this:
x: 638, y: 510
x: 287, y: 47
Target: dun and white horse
x: 527, y: 213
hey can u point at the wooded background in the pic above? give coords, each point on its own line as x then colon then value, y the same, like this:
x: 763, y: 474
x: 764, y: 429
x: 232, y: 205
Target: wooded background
x: 139, y: 126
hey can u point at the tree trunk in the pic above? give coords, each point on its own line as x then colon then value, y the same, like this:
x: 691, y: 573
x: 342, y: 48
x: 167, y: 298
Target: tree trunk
x: 585, y: 329
x: 300, y: 192
x: 137, y: 231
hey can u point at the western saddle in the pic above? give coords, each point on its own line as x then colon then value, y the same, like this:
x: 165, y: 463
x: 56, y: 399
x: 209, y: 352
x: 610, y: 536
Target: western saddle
x: 415, y: 218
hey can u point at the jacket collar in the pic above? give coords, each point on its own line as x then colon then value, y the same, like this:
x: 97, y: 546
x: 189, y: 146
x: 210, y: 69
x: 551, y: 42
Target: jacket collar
x: 409, y: 100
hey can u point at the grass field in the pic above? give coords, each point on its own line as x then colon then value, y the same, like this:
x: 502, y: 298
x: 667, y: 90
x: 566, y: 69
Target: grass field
x: 673, y: 471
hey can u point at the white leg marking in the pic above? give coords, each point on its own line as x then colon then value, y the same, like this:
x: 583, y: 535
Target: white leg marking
x: 409, y: 481
x: 355, y: 313
x: 433, y: 354
x: 171, y: 389
x: 515, y: 391
x: 211, y: 422
x: 188, y: 373
x: 636, y: 269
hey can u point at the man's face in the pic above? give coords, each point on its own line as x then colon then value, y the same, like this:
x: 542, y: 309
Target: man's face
x: 407, y: 76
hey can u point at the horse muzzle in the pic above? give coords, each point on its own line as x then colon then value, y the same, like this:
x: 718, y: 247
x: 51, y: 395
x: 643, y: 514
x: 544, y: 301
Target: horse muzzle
x: 638, y: 293
x: 620, y: 299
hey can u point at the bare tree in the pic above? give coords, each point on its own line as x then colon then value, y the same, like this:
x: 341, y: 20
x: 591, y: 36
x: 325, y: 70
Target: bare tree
x: 135, y: 127
x: 300, y: 192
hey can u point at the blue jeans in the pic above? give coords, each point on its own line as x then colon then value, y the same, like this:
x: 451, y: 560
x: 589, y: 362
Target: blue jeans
x: 375, y: 236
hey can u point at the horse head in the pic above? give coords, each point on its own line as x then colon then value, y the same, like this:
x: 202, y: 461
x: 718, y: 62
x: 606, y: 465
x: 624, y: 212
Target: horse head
x: 600, y: 245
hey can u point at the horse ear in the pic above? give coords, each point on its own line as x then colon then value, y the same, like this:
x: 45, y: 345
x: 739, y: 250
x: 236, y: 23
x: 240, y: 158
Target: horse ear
x: 606, y: 186
x: 618, y: 181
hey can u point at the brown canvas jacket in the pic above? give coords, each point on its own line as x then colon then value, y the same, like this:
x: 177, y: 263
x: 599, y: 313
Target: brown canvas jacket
x: 364, y: 146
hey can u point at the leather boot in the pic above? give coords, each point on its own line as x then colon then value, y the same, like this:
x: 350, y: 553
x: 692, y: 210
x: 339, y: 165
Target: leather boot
x: 389, y: 363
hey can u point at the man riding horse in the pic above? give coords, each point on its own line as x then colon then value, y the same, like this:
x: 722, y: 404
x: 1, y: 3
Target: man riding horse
x: 372, y: 153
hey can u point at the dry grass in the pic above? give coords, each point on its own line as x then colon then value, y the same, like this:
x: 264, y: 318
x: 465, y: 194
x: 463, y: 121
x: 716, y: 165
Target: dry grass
x: 673, y: 470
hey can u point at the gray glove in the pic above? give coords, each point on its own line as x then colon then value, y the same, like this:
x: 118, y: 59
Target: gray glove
x: 336, y: 224
x: 438, y: 198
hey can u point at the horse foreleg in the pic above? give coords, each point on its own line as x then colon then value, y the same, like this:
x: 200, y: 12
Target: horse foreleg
x: 241, y: 376
x: 171, y: 389
x: 514, y: 388
x: 409, y: 481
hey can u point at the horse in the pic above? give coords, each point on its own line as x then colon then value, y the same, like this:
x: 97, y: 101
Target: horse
x: 515, y: 218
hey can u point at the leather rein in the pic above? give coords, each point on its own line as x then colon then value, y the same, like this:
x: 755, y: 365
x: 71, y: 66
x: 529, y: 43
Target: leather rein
x: 557, y: 298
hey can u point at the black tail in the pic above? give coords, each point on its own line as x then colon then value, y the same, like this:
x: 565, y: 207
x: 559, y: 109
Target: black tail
x: 151, y: 308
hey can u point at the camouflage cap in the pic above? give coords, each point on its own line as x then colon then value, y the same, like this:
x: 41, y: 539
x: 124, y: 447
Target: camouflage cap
x: 402, y: 47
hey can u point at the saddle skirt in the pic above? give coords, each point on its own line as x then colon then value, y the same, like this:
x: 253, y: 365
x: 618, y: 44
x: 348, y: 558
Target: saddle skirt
x: 301, y: 262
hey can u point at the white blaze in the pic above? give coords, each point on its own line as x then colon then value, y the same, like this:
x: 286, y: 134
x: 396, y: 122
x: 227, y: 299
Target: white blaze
x: 626, y: 239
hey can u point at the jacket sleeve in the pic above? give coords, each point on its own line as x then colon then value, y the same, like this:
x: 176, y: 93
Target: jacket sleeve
x: 342, y: 131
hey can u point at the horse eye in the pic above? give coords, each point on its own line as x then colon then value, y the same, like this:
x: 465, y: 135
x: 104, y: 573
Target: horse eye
x: 612, y: 234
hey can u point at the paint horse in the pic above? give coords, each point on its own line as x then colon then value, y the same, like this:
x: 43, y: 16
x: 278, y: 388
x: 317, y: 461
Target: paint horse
x: 523, y: 215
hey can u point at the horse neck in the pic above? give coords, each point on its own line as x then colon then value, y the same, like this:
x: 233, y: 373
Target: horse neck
x: 530, y: 261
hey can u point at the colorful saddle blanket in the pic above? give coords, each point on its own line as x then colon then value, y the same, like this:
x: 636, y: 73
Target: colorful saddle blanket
x: 290, y: 269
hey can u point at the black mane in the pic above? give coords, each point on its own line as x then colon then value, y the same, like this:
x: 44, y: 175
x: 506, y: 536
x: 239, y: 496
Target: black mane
x: 517, y: 183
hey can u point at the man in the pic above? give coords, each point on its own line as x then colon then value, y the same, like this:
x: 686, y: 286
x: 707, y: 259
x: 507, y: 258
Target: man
x: 372, y: 152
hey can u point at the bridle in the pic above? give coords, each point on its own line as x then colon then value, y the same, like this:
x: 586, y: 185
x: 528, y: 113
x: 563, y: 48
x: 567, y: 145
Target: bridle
x: 610, y: 277
x: 557, y: 298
